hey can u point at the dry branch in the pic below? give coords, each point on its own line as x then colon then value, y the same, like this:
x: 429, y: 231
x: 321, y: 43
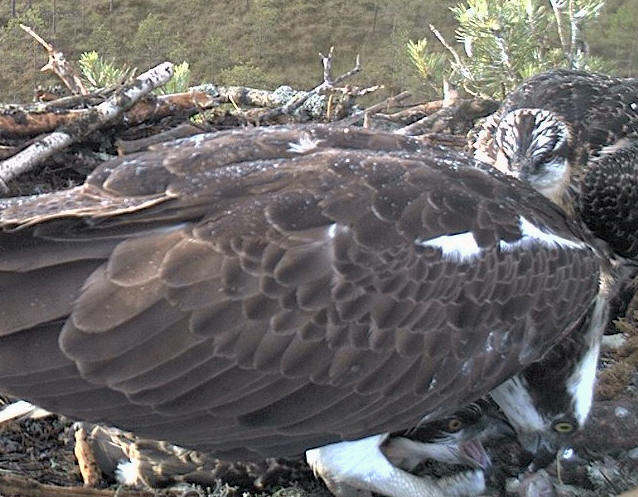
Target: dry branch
x: 328, y: 84
x: 414, y: 113
x: 101, y: 115
x: 177, y: 104
x: 18, y: 121
x: 388, y: 102
x: 448, y: 119
x: 12, y: 485
x: 59, y: 65
x: 91, y: 473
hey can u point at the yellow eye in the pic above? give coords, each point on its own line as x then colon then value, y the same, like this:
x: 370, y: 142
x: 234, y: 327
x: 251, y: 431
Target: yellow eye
x: 455, y: 424
x: 563, y: 427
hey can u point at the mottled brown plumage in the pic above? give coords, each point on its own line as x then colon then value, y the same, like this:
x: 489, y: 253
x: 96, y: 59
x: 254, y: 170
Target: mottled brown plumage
x: 572, y: 135
x: 259, y: 292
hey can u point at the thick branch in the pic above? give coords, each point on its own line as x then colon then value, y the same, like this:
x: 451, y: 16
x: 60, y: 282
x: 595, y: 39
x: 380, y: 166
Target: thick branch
x: 104, y: 113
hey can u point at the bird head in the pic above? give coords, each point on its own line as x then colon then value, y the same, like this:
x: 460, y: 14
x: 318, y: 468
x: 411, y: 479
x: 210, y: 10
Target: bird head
x: 533, y: 145
x: 455, y: 439
x: 549, y: 401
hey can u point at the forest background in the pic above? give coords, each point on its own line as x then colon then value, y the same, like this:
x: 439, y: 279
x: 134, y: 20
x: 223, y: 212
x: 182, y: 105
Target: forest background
x: 259, y: 43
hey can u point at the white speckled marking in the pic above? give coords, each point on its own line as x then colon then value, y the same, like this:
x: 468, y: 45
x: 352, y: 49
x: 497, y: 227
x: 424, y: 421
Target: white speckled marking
x: 621, y: 412
x: 306, y: 144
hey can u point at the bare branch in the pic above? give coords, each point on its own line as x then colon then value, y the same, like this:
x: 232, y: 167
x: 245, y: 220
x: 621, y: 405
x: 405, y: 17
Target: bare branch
x: 12, y: 485
x: 328, y: 83
x: 59, y: 65
x: 104, y: 113
x: 21, y: 121
x: 449, y: 47
x: 91, y: 472
x: 388, y: 102
x: 449, y: 118
x: 560, y: 28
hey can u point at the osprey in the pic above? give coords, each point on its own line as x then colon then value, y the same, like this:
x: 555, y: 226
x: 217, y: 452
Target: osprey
x: 262, y: 292
x: 456, y: 439
x: 573, y: 136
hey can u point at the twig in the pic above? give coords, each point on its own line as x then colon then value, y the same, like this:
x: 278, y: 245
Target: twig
x: 59, y: 65
x: 12, y: 485
x: 89, y: 469
x: 446, y: 119
x: 413, y: 113
x: 449, y: 47
x: 104, y: 113
x: 328, y: 83
x: 350, y: 120
x: 560, y: 28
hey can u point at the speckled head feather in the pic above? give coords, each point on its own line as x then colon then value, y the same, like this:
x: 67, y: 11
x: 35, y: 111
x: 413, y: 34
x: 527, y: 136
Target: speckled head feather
x: 551, y: 131
x: 259, y: 292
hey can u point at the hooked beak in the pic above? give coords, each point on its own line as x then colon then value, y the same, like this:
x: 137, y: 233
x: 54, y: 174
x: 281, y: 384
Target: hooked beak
x: 472, y: 451
x: 473, y: 454
x: 541, y: 448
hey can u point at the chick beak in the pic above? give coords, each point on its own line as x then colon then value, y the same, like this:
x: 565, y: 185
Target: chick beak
x: 473, y: 454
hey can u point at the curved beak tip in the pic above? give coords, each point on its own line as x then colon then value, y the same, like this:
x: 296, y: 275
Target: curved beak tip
x: 474, y: 454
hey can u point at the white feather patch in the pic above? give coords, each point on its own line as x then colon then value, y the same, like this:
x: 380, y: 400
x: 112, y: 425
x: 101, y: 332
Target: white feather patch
x: 305, y: 144
x: 532, y: 234
x: 461, y: 246
x: 515, y: 401
x: 127, y: 472
x: 21, y: 409
x: 581, y: 384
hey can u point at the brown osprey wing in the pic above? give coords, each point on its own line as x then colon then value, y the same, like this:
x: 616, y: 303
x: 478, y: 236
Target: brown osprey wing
x: 607, y: 203
x: 265, y: 291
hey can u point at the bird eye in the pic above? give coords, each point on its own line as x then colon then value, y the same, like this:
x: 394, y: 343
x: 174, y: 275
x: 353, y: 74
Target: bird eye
x: 563, y: 427
x: 455, y: 424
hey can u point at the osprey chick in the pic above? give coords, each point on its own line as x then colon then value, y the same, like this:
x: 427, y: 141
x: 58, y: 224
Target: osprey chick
x: 572, y: 135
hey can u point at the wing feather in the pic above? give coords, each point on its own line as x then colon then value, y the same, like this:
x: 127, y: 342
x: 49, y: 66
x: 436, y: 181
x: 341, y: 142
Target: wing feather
x: 235, y: 293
